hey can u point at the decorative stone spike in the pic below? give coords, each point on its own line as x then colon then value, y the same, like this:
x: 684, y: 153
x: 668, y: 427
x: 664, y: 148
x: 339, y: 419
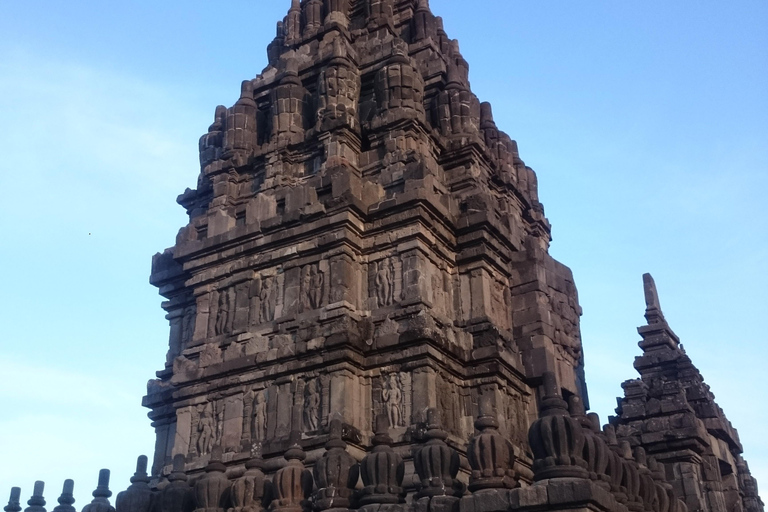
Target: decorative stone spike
x: 248, y: 491
x: 653, y: 313
x: 293, y: 23
x: 292, y: 484
x: 336, y: 473
x: 14, y: 502
x: 337, y: 13
x: 37, y: 502
x: 557, y: 439
x: 100, y: 502
x: 211, y: 143
x: 211, y: 489
x: 382, y: 469
x: 312, y: 13
x: 338, y: 91
x: 66, y: 500
x: 138, y: 496
x: 490, y: 454
x: 399, y: 89
x: 177, y: 496
x: 289, y: 101
x: 423, y: 21
x: 436, y: 463
x: 240, y: 133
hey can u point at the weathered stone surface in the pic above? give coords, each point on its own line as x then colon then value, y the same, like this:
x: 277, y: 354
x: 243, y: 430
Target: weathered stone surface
x: 364, y: 243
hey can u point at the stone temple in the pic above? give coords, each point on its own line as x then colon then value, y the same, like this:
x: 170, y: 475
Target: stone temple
x: 364, y: 314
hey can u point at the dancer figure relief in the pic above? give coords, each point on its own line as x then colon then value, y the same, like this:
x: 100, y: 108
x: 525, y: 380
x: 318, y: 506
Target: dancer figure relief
x: 311, y: 406
x: 392, y: 396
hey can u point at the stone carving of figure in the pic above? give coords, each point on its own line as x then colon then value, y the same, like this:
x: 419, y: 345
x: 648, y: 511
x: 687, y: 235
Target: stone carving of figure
x: 205, y: 429
x: 392, y: 396
x: 316, y: 291
x: 268, y: 298
x: 384, y: 284
x: 260, y: 417
x: 188, y: 325
x: 305, y: 288
x: 222, y: 317
x: 219, y: 423
x: 311, y: 406
x: 254, y: 302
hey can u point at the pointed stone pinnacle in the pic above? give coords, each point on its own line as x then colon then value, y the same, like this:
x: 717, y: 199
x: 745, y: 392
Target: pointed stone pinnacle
x: 653, y: 312
x: 66, y: 500
x: 14, y: 504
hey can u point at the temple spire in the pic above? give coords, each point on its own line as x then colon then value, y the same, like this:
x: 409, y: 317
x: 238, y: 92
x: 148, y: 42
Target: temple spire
x: 653, y: 313
x: 656, y: 333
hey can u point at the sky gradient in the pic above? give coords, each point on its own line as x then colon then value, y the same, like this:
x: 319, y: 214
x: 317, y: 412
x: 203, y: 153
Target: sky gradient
x: 646, y: 121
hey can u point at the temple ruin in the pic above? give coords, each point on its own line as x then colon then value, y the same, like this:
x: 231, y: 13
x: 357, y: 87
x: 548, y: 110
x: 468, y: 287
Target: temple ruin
x: 364, y: 314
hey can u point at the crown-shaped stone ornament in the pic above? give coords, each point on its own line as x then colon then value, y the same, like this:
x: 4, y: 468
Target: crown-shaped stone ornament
x: 382, y: 469
x: 292, y: 484
x: 212, y: 489
x: 336, y: 473
x: 437, y: 464
x: 177, y: 495
x: 490, y: 454
x: 557, y: 439
x: 249, y: 491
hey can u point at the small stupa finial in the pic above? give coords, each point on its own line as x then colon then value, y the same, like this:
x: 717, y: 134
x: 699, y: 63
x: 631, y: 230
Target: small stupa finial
x: 653, y: 312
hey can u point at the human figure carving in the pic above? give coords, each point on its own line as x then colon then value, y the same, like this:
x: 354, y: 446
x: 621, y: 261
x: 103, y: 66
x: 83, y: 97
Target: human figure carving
x: 205, y: 428
x: 311, y: 406
x: 305, y: 289
x: 219, y: 423
x: 384, y: 284
x: 249, y: 398
x: 260, y: 417
x: 316, y: 290
x: 392, y: 396
x: 188, y: 325
x: 268, y: 298
x: 222, y: 317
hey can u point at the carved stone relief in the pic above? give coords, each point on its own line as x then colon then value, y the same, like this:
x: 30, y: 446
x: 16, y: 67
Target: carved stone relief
x: 311, y: 406
x: 188, y: 325
x: 395, y: 397
x: 447, y: 402
x: 260, y: 417
x: 263, y: 296
x: 205, y: 431
x: 385, y: 282
x: 311, y: 288
x: 222, y: 312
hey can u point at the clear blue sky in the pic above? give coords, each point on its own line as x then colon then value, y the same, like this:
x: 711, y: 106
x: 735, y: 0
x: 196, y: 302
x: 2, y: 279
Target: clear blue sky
x: 647, y: 122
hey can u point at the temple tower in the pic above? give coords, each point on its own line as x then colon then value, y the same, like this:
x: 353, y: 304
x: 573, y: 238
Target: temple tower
x: 363, y: 240
x: 671, y: 413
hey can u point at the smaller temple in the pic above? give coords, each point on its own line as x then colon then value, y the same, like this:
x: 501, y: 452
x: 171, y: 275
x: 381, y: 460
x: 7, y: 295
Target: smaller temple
x: 671, y: 413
